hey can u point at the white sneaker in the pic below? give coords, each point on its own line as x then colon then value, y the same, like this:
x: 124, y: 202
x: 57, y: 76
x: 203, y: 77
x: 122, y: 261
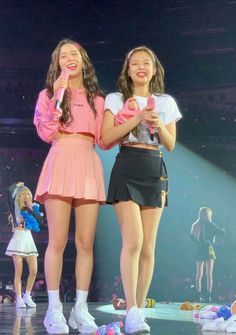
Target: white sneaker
x: 135, y: 321
x: 28, y: 301
x: 55, y: 322
x: 81, y: 319
x: 20, y: 303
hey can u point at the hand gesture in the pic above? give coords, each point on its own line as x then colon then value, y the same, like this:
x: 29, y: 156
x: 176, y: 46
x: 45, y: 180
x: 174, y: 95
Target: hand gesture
x: 148, y: 115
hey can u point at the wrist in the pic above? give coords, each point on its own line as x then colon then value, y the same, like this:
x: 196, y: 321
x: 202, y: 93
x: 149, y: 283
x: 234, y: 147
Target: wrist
x: 138, y: 117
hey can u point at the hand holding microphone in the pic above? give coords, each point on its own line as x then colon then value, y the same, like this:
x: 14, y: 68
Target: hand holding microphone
x: 59, y: 87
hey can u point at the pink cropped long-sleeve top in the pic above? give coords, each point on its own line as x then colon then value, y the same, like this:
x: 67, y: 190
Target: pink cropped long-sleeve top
x: 47, y: 118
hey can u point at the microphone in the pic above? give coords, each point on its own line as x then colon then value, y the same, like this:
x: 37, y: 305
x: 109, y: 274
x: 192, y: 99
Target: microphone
x: 151, y: 104
x: 60, y: 92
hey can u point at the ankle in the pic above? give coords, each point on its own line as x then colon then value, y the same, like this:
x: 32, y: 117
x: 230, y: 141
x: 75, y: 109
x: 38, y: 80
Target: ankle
x: 209, y: 297
x: 199, y: 297
x: 81, y: 297
x: 27, y: 294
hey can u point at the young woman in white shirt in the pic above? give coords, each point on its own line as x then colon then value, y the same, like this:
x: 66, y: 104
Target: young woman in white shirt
x: 139, y: 181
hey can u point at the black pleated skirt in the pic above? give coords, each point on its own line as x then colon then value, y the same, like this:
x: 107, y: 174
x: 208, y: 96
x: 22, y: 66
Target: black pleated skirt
x: 139, y: 175
x: 202, y: 253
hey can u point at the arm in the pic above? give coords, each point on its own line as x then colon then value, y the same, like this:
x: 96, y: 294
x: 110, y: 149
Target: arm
x: 46, y: 118
x: 111, y: 133
x: 217, y: 230
x: 30, y: 222
x: 167, y: 127
x: 167, y: 134
x: 115, y: 127
x: 193, y: 233
x: 99, y: 104
x: 193, y: 238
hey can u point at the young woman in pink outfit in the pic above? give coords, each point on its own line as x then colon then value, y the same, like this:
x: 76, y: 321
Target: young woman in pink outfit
x: 142, y: 119
x: 71, y: 176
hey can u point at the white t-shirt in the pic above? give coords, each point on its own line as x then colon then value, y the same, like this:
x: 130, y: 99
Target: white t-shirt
x: 166, y: 109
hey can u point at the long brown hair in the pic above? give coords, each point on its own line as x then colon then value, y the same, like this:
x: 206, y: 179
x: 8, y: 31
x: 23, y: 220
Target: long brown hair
x: 125, y: 84
x: 90, y: 81
x: 203, y: 216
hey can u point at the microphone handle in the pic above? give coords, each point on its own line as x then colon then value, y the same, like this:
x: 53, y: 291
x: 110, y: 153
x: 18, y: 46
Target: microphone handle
x: 61, y: 92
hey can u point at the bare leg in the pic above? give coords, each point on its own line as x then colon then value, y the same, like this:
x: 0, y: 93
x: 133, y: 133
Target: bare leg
x: 86, y: 218
x: 209, y: 274
x: 130, y: 221
x: 199, y: 273
x: 150, y: 221
x: 58, y: 218
x: 18, y: 265
x: 33, y: 268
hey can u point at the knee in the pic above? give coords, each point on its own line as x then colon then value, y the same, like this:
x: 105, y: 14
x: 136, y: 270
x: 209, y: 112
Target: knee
x: 133, y: 247
x: 33, y: 273
x: 84, y: 245
x: 147, y: 253
x: 198, y: 276
x: 209, y: 275
x: 57, y: 245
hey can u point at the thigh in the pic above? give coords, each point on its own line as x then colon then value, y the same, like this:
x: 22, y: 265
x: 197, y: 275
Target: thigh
x: 32, y: 263
x: 130, y: 220
x: 86, y: 214
x: 58, y: 217
x: 18, y: 263
x: 150, y: 221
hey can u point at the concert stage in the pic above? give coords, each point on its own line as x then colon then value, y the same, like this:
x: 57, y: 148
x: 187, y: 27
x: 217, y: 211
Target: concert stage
x: 164, y: 319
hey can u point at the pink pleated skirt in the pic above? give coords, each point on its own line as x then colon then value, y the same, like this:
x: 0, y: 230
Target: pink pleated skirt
x: 72, y: 169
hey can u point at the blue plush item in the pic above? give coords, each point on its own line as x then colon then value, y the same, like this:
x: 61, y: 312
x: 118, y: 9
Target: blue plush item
x: 35, y: 208
x: 224, y: 312
x: 30, y: 222
x: 113, y: 328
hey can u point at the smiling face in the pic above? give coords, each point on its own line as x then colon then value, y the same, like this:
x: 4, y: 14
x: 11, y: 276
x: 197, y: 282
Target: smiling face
x: 71, y: 59
x: 141, y: 68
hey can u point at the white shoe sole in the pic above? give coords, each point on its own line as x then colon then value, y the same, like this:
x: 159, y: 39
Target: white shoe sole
x: 51, y: 331
x: 83, y: 330
x: 131, y: 331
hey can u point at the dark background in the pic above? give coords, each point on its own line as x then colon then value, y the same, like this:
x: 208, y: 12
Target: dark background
x: 195, y: 42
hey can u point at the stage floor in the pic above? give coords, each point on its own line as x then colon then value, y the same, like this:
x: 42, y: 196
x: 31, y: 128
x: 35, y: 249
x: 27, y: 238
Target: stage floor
x: 164, y: 319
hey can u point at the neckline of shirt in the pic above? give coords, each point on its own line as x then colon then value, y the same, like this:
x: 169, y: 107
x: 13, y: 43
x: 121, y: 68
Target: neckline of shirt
x: 77, y: 90
x: 142, y: 97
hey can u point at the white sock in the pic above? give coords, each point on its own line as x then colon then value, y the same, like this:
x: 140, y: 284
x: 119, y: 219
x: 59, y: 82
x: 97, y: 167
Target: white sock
x: 27, y: 294
x: 18, y: 297
x: 81, y: 297
x: 54, y: 299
